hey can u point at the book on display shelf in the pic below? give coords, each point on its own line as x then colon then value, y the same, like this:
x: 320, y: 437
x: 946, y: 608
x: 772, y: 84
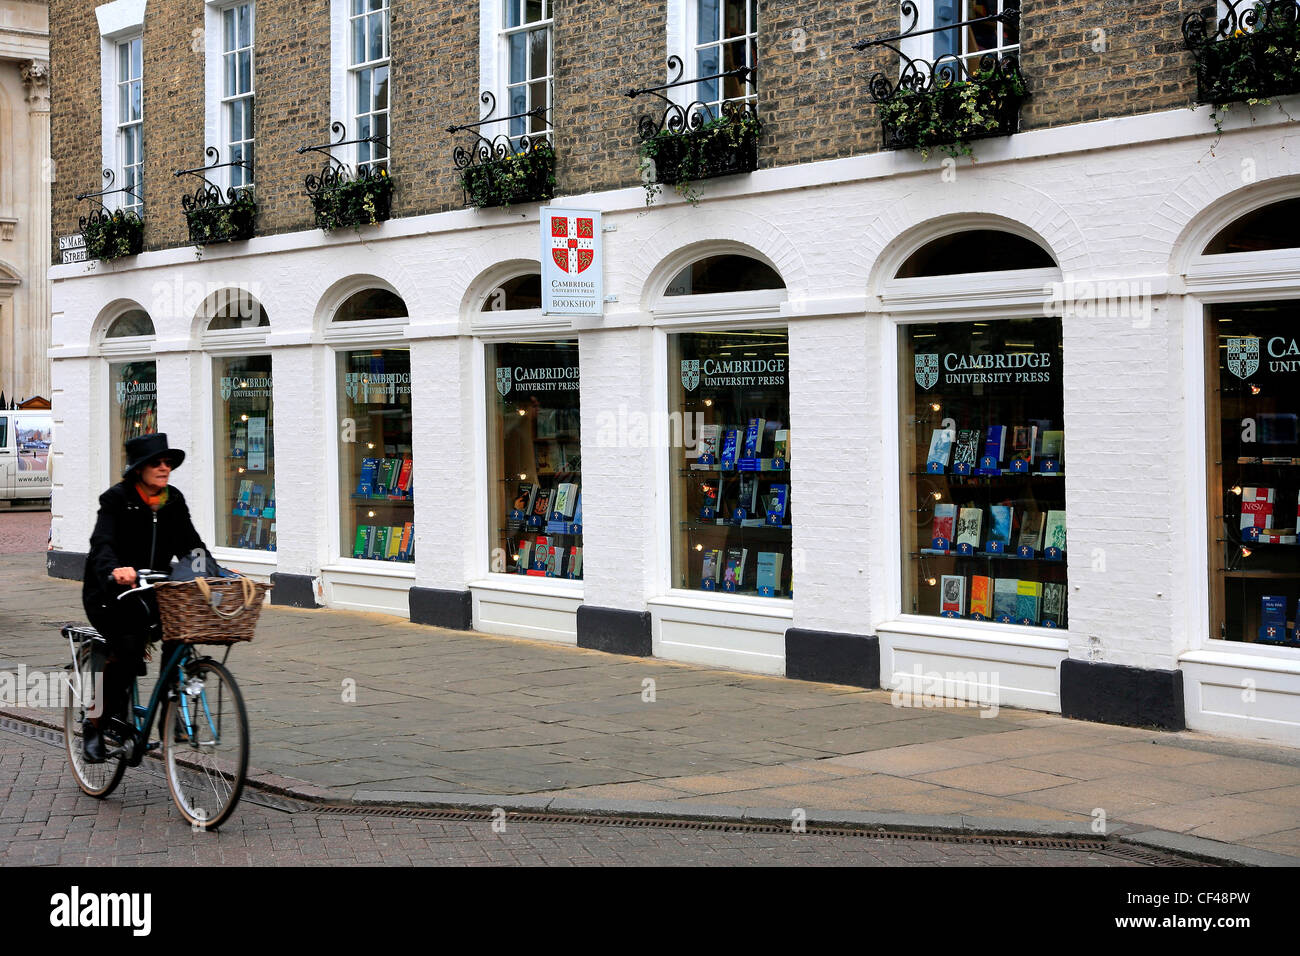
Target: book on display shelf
x: 1054, y: 530
x: 711, y: 566
x: 747, y: 493
x: 966, y: 451
x: 1040, y: 426
x: 1005, y: 598
x: 778, y: 499
x: 1054, y: 445
x: 366, y: 482
x: 781, y: 445
x: 380, y: 551
x: 970, y: 524
x: 577, y: 509
x: 394, y: 543
x: 542, y: 503
x: 1031, y: 530
x: 1272, y: 619
x: 404, y: 476
x: 523, y: 558
x: 708, y: 500
x: 754, y: 438
x: 525, y: 492
x: 574, y: 568
x: 706, y: 449
x: 407, y: 542
x: 359, y: 543
x: 566, y: 500
x: 1028, y: 595
x: 768, y: 577
x: 730, y: 449
x: 1022, y: 442
x: 1256, y: 510
x: 1053, y: 604
x: 981, y: 596
x: 733, y: 573
x: 940, y: 450
x: 995, y: 445
x: 945, y: 522
x: 554, y: 561
x: 541, y: 549
x: 952, y: 595
x: 1001, y: 524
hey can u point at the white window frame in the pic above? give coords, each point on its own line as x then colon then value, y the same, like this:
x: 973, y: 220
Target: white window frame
x: 494, y: 64
x: 693, y: 46
x: 923, y: 47
x: 215, y: 103
x: 367, y: 155
x: 120, y: 21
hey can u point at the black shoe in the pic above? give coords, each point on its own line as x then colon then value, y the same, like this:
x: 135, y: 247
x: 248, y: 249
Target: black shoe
x: 92, y: 742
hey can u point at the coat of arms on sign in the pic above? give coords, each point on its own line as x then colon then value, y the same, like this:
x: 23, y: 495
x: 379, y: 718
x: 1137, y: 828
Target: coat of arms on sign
x: 573, y: 242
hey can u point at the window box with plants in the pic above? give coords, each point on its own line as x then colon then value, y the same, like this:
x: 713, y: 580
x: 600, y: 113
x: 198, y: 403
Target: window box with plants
x: 341, y: 201
x: 702, y: 148
x: 944, y: 111
x: 212, y: 221
x: 501, y: 177
x: 1253, y: 54
x: 112, y: 235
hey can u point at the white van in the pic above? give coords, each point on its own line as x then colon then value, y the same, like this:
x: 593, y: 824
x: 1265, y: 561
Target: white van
x: 25, y: 438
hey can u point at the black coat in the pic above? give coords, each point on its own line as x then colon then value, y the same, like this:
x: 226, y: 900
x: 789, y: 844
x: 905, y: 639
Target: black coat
x: 129, y: 534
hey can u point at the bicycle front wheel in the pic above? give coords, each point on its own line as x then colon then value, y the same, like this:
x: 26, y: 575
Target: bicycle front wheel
x: 96, y: 779
x: 205, y: 743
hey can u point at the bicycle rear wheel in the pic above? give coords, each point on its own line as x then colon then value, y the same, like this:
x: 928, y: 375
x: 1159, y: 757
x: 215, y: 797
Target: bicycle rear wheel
x: 96, y: 779
x: 205, y: 743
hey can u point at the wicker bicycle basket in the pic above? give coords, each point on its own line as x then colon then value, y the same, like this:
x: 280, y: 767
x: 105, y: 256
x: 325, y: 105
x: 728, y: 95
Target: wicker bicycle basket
x: 210, y: 610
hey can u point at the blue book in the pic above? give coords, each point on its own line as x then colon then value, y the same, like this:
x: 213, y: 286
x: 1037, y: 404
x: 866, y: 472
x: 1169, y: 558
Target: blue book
x: 1272, y: 619
x: 995, y: 446
x: 729, y: 443
x: 366, y: 485
x: 940, y: 449
x: 1005, y: 598
x: 754, y: 438
x: 1000, y: 524
x: 769, y: 573
x: 577, y: 511
x: 777, y: 497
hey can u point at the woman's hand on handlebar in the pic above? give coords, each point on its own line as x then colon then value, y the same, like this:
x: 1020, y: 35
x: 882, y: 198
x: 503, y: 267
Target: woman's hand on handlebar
x: 124, y: 576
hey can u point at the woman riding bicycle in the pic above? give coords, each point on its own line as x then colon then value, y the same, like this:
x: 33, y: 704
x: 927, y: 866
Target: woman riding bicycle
x: 143, y: 522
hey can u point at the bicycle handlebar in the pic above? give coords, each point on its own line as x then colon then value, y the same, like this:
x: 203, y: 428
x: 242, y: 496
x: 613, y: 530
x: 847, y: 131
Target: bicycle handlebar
x: 148, y: 577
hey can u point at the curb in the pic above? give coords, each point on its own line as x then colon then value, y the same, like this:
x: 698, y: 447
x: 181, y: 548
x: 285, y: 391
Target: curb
x: 1180, y: 844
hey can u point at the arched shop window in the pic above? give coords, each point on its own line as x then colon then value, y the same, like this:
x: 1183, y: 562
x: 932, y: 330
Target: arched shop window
x: 133, y: 382
x: 1253, y: 450
x: 515, y: 293
x: 1271, y: 227
x: 235, y: 326
x: 376, y: 469
x: 730, y: 451
x: 724, y: 273
x: 982, y: 440
x: 975, y: 250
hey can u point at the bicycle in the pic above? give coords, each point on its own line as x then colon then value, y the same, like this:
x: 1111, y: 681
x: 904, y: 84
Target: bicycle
x: 203, y: 726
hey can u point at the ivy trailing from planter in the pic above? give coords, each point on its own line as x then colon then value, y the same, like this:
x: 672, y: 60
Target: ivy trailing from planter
x: 341, y: 201
x: 1252, y: 56
x: 497, y: 176
x: 112, y: 235
x: 211, y: 221
x: 684, y: 152
x: 941, y: 110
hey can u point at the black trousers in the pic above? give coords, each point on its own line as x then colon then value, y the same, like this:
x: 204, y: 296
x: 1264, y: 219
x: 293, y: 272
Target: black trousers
x: 128, y: 626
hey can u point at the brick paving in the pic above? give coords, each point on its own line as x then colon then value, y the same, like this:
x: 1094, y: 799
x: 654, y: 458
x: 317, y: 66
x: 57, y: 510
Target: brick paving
x: 24, y: 532
x: 357, y: 704
x: 46, y: 821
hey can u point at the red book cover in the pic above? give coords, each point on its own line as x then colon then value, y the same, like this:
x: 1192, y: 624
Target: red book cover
x: 945, y: 520
x: 404, y: 476
x: 1257, y: 507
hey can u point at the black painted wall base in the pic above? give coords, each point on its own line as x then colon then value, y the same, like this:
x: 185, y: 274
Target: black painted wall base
x: 614, y: 630
x: 832, y: 658
x: 1119, y: 694
x: 68, y: 565
x: 294, y: 590
x: 440, y: 608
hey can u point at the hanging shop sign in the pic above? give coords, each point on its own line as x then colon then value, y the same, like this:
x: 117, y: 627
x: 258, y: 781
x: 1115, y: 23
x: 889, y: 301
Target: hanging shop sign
x: 573, y: 262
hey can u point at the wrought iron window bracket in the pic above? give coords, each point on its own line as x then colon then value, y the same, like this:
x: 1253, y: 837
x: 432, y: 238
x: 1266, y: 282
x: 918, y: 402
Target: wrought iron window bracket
x: 487, y: 149
x: 919, y: 74
x: 1250, y: 54
x: 108, y: 178
x: 326, y: 149
x: 692, y: 116
x: 210, y: 191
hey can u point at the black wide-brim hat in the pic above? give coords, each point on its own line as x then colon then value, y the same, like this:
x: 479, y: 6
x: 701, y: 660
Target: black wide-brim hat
x: 141, y: 449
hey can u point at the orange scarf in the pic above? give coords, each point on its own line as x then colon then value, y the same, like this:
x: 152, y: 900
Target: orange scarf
x: 153, y: 501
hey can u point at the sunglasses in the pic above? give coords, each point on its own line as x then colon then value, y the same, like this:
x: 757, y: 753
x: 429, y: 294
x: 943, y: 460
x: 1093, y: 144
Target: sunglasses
x: 155, y: 462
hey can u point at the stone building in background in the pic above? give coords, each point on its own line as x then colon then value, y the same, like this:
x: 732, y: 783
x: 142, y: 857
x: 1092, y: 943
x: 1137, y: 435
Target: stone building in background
x: 26, y: 173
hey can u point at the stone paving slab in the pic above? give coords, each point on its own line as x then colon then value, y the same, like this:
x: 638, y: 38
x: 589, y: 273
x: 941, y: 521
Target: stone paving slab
x: 439, y: 711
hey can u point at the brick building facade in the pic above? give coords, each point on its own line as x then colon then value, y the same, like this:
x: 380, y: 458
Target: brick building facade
x: 1073, y: 270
